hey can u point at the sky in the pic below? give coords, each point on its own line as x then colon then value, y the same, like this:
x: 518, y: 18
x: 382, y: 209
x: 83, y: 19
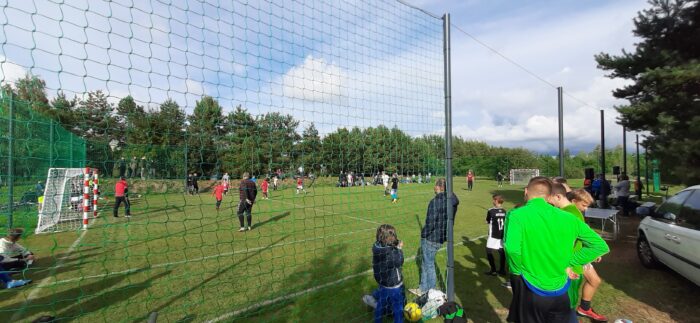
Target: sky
x: 495, y: 101
x: 338, y: 63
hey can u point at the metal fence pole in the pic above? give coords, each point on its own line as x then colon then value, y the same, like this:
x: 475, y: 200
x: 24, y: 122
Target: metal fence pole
x: 448, y: 159
x: 604, y: 196
x: 11, y: 163
x: 560, y: 95
x: 71, y: 150
x: 624, y: 150
x: 51, y: 143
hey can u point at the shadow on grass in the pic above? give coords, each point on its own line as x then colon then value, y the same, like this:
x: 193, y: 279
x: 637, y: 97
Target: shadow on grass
x: 73, y: 303
x: 272, y: 219
x: 325, y: 292
x: 473, y: 287
x: 210, y: 279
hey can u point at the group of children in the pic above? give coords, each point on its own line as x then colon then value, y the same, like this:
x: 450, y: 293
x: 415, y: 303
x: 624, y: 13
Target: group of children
x: 571, y: 201
x: 388, y: 259
x: 222, y: 188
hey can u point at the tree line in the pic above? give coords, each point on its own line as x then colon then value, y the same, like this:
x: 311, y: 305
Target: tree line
x: 210, y: 142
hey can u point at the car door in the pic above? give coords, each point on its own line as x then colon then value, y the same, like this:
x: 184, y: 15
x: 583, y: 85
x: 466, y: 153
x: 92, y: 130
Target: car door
x: 686, y: 236
x: 659, y: 230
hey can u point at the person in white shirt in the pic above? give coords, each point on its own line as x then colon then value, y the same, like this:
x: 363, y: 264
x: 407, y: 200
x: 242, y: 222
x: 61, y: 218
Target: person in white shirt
x: 385, y: 181
x: 14, y: 255
x: 622, y: 190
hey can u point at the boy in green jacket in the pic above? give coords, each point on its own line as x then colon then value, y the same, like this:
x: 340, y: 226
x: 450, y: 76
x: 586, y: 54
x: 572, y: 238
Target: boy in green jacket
x: 539, y: 244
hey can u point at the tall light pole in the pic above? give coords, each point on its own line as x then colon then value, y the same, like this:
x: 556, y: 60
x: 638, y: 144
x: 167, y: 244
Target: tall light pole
x: 604, y: 187
x: 560, y: 94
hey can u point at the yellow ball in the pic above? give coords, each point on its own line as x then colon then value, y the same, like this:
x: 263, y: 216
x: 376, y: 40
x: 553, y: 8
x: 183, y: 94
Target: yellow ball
x: 412, y: 312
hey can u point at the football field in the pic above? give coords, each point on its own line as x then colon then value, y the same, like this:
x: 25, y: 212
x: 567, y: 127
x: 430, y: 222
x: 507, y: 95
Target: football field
x: 180, y: 257
x: 307, y: 259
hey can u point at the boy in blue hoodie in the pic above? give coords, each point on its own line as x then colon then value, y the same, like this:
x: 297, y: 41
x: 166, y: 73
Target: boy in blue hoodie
x: 387, y: 260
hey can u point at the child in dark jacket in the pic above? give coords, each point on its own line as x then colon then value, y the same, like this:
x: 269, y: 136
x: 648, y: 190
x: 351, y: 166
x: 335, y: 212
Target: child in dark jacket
x: 387, y: 259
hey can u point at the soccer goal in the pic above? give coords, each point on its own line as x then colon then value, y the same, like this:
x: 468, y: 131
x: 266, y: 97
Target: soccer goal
x: 522, y: 176
x: 69, y: 196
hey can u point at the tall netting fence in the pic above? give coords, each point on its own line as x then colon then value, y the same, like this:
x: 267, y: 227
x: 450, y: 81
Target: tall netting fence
x: 32, y: 142
x: 321, y: 103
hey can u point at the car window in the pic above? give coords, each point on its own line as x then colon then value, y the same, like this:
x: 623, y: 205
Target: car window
x: 690, y: 214
x: 672, y: 207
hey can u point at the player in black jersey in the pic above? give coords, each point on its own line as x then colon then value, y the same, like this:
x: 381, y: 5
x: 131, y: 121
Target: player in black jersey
x: 496, y: 218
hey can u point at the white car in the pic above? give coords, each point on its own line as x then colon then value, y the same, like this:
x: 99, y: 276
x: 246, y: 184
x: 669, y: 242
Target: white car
x: 670, y: 234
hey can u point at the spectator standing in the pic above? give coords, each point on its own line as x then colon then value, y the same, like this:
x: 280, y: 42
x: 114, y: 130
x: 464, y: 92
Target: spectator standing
x: 132, y: 166
x: 195, y: 183
x: 142, y: 166
x: 434, y: 234
x: 122, y: 167
x: 622, y: 191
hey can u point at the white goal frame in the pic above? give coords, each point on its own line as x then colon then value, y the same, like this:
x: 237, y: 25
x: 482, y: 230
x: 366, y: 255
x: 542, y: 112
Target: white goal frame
x: 67, y: 199
x: 526, y: 172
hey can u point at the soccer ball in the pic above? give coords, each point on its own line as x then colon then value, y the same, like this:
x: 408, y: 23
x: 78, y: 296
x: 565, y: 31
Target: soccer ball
x: 412, y: 312
x: 623, y: 321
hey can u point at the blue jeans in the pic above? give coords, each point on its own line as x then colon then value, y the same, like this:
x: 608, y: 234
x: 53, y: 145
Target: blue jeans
x: 389, y: 301
x: 428, y: 277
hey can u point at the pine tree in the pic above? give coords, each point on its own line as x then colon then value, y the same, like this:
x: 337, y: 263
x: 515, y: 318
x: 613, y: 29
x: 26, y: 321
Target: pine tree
x: 664, y: 97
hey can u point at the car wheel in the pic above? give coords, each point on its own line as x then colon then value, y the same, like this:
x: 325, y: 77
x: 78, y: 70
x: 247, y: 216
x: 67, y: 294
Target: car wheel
x: 646, y: 256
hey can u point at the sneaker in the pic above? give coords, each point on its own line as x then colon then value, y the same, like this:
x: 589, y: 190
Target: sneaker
x: 370, y: 301
x: 250, y: 228
x: 128, y: 215
x: 491, y: 273
x: 416, y: 291
x: 18, y: 283
x: 591, y: 314
x: 507, y: 284
x: 241, y: 229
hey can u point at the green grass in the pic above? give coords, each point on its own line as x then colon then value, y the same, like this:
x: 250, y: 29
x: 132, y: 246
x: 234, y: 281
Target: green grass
x: 179, y: 257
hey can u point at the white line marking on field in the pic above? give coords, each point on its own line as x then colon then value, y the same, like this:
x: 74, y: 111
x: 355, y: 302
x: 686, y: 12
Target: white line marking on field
x: 132, y: 270
x: 306, y: 291
x: 45, y: 281
x: 329, y: 212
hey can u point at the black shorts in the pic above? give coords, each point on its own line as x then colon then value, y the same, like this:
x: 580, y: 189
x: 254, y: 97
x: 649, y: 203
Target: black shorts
x: 244, y: 207
x: 517, y: 285
x: 530, y: 307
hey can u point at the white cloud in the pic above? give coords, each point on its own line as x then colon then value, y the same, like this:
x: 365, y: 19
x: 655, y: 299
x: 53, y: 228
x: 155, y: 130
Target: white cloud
x: 9, y: 71
x: 314, y: 80
x: 497, y: 102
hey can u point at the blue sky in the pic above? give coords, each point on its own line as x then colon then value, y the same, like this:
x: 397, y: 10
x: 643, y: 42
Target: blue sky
x: 335, y: 63
x: 497, y: 102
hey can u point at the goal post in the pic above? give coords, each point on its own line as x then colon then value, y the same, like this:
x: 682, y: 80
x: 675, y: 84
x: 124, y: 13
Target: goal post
x: 67, y: 200
x: 521, y: 176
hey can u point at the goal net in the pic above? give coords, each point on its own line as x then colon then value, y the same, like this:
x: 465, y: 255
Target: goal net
x: 63, y: 205
x: 522, y: 176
